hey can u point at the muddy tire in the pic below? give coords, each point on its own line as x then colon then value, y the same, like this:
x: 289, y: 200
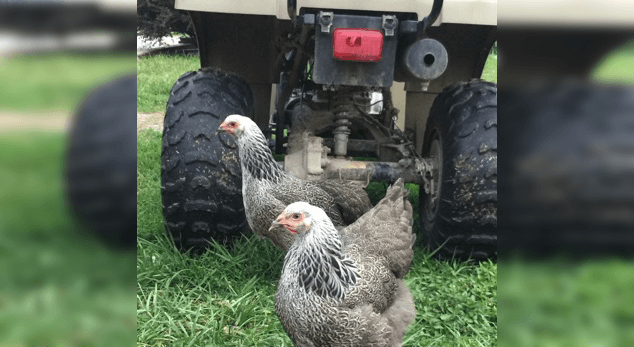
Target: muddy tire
x: 101, y: 162
x: 459, y: 218
x: 567, y: 184
x: 201, y: 181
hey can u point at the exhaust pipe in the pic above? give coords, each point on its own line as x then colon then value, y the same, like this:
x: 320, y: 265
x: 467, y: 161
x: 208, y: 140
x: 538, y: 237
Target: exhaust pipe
x: 426, y: 59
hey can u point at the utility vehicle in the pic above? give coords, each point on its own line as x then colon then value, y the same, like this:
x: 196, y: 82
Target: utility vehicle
x: 318, y: 77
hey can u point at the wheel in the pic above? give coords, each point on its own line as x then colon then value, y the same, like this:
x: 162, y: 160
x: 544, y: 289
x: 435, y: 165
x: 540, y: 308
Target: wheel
x: 201, y: 181
x: 459, y: 216
x: 101, y: 162
x: 568, y: 181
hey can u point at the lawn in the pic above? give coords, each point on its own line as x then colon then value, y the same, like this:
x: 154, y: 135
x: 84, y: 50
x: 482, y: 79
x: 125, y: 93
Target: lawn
x: 155, y: 77
x: 56, y: 81
x: 59, y: 285
x: 225, y: 296
x: 563, y: 302
x: 490, y: 72
x: 616, y: 67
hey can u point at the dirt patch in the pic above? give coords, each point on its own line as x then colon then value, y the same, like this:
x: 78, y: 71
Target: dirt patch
x: 150, y: 121
x: 60, y: 120
x: 44, y: 120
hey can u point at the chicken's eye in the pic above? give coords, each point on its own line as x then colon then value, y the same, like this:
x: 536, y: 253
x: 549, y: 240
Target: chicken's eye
x: 295, y: 215
x: 232, y: 124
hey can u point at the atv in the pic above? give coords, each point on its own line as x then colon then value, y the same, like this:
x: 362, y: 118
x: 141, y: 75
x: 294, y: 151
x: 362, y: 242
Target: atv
x: 319, y: 79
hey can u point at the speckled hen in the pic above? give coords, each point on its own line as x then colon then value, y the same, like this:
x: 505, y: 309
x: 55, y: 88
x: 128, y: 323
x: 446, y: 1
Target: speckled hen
x: 346, y: 288
x: 267, y: 189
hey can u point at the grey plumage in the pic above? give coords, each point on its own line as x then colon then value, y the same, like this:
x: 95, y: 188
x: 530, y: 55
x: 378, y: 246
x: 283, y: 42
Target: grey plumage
x: 346, y: 288
x: 267, y: 189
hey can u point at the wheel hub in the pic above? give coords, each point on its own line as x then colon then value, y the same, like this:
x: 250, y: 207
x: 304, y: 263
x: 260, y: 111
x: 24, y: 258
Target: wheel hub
x: 435, y: 155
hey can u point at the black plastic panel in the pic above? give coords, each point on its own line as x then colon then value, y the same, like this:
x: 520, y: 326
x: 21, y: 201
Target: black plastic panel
x: 330, y: 71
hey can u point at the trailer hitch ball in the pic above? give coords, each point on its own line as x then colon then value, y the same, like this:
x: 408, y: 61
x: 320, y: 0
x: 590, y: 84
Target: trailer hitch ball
x: 426, y: 59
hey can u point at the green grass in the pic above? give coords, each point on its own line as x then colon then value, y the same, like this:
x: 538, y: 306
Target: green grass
x: 56, y: 80
x: 58, y: 285
x: 490, y: 72
x: 616, y: 66
x: 559, y: 302
x: 156, y: 76
x: 226, y: 296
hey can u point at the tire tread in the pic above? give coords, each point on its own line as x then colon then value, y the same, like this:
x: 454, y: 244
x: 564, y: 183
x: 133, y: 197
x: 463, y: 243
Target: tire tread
x: 199, y: 207
x: 465, y: 115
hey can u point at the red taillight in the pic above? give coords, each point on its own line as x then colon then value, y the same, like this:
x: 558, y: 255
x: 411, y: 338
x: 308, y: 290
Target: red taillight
x: 357, y: 44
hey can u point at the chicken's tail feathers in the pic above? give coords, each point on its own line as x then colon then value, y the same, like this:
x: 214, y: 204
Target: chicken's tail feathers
x: 387, y: 229
x: 350, y: 198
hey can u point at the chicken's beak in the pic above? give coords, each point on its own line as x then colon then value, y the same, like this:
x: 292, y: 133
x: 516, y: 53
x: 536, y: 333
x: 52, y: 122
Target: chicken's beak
x: 274, y: 225
x: 221, y: 129
x: 277, y: 222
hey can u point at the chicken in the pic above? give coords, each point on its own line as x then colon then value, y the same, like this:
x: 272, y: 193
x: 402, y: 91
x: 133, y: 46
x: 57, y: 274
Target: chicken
x: 346, y: 288
x: 267, y: 189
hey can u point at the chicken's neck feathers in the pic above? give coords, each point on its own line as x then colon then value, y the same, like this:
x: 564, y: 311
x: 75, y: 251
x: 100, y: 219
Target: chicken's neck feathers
x: 323, y: 267
x: 256, y: 158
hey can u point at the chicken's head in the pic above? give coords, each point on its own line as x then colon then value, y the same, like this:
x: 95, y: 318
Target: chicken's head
x: 233, y: 125
x: 296, y: 218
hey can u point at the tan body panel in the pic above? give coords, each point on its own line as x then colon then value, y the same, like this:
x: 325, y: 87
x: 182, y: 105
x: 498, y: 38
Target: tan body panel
x: 568, y: 13
x: 481, y: 12
x: 114, y: 5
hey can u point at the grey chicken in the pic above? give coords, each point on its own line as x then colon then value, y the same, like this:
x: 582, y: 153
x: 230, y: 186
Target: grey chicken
x: 346, y: 288
x: 267, y: 189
